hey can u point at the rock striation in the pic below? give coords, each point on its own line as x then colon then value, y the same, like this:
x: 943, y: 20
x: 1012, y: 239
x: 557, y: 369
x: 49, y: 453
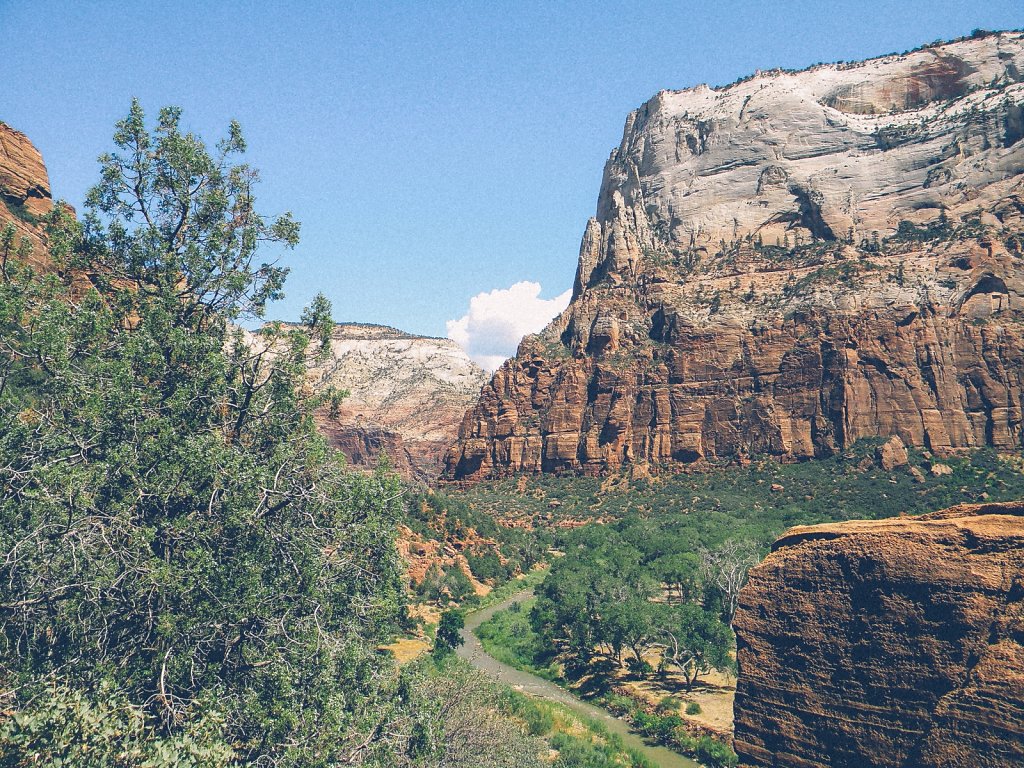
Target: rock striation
x: 896, y: 643
x: 786, y: 265
x: 24, y: 189
x: 407, y: 396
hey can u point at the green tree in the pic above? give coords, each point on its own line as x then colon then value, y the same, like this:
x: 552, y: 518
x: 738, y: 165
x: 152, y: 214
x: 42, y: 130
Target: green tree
x: 679, y: 572
x: 449, y: 633
x: 696, y: 641
x: 173, y: 531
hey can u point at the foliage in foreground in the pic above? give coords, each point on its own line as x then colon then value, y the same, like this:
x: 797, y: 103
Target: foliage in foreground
x: 444, y: 716
x: 63, y: 726
x: 188, y: 574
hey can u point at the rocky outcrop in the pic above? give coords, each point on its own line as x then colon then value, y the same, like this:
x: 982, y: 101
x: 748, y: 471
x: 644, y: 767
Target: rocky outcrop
x: 890, y: 643
x: 24, y: 189
x: 407, y: 396
x: 784, y: 266
x: 891, y: 454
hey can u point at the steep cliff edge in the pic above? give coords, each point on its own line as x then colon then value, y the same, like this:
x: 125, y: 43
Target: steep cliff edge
x: 407, y: 396
x: 786, y: 265
x: 890, y: 643
x: 24, y: 189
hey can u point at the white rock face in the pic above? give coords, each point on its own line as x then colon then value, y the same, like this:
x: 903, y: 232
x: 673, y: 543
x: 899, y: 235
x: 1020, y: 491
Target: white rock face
x: 417, y: 386
x: 406, y: 398
x: 837, y: 151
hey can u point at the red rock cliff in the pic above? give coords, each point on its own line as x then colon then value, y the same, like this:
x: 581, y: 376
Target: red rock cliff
x: 784, y: 266
x: 24, y: 188
x: 886, y: 643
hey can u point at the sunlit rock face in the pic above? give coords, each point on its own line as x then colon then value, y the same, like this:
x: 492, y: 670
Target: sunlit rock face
x: 407, y: 396
x: 895, y: 643
x: 24, y: 189
x: 784, y: 266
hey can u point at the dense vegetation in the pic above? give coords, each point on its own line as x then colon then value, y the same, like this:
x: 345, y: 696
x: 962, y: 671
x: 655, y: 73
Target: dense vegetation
x: 651, y: 566
x: 758, y: 501
x: 629, y: 587
x: 189, y: 575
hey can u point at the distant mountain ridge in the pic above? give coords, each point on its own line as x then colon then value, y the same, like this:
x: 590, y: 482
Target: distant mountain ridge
x: 407, y: 396
x: 786, y: 265
x: 354, y: 330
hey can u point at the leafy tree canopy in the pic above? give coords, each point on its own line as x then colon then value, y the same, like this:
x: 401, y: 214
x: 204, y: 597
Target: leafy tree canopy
x: 173, y: 532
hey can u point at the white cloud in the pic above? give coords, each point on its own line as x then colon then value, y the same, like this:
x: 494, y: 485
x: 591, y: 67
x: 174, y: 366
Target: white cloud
x: 497, y: 321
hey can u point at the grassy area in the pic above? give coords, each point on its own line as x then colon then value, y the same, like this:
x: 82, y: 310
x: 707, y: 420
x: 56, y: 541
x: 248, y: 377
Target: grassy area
x: 579, y: 741
x: 508, y: 637
x: 528, y: 580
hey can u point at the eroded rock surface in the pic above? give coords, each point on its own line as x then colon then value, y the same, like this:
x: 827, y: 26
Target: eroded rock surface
x: 407, y: 396
x: 786, y: 265
x: 24, y: 189
x: 889, y: 643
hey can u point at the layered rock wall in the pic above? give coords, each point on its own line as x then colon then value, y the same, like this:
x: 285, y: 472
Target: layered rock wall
x: 896, y: 643
x: 784, y: 266
x: 407, y: 396
x: 24, y: 189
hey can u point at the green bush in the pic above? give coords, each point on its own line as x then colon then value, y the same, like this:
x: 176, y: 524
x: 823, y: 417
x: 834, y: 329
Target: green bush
x: 67, y: 727
x: 715, y: 753
x: 668, y: 705
x: 575, y: 752
x: 485, y: 565
x: 693, y: 708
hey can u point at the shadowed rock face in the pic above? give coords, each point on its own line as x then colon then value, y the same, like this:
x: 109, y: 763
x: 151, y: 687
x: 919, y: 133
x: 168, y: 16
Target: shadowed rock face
x: 886, y: 643
x: 784, y: 266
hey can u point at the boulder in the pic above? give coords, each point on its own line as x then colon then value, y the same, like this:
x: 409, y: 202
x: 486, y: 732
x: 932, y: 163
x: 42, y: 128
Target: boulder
x: 891, y: 454
x: 892, y: 643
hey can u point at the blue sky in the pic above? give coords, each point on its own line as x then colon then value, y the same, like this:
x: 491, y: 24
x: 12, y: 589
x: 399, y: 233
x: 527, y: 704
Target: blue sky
x: 432, y: 151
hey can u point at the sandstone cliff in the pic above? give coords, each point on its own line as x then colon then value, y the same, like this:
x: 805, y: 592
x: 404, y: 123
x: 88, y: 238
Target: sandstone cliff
x: 407, y: 396
x: 786, y: 265
x: 24, y: 189
x: 886, y: 643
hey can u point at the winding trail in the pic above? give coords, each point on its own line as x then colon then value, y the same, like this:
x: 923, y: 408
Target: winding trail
x: 473, y: 652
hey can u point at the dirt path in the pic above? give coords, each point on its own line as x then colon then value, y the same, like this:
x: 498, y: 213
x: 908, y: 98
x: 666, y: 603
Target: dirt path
x: 472, y: 650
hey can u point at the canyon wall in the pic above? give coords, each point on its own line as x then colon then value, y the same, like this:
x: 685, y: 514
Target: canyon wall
x: 896, y: 643
x: 783, y: 266
x: 24, y: 190
x: 407, y: 396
